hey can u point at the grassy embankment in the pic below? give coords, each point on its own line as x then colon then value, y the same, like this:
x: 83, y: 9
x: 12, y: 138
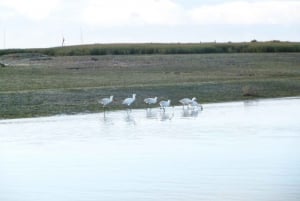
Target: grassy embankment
x: 163, y: 48
x: 38, y: 85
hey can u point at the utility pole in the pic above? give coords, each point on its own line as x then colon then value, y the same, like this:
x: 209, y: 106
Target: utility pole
x: 63, y: 41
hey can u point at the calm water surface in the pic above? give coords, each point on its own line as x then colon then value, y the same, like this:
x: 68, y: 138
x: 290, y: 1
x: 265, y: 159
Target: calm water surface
x: 230, y: 151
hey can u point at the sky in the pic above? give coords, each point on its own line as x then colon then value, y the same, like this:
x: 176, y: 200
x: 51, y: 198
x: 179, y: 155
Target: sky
x: 44, y: 23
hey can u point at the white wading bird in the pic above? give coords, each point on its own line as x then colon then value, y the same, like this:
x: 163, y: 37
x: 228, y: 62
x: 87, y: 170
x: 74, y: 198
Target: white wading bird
x: 164, y: 104
x: 150, y: 101
x: 194, y: 104
x: 187, y: 101
x: 106, y: 101
x: 129, y: 101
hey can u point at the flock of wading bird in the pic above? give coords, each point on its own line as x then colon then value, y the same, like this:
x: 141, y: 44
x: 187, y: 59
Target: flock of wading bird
x: 189, y: 103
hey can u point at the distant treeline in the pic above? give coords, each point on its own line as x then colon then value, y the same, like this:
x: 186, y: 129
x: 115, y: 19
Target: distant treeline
x: 162, y: 48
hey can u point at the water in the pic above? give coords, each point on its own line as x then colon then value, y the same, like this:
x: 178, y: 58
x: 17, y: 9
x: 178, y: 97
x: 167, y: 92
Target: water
x: 229, y: 151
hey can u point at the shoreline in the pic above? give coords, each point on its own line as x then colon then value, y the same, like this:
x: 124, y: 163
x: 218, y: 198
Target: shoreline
x: 5, y: 120
x: 72, y: 85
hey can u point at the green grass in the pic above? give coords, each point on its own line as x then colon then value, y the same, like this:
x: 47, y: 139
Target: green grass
x: 162, y: 48
x: 35, y: 85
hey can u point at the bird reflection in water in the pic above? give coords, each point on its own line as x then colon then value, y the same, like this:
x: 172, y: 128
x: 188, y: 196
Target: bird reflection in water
x: 129, y: 118
x: 166, y: 116
x: 190, y: 113
x: 150, y: 114
x: 106, y: 119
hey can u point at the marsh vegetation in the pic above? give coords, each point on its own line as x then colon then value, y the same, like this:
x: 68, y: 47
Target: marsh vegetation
x: 34, y: 84
x: 163, y: 48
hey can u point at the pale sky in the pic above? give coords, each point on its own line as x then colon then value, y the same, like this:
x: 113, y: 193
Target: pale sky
x: 43, y: 23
